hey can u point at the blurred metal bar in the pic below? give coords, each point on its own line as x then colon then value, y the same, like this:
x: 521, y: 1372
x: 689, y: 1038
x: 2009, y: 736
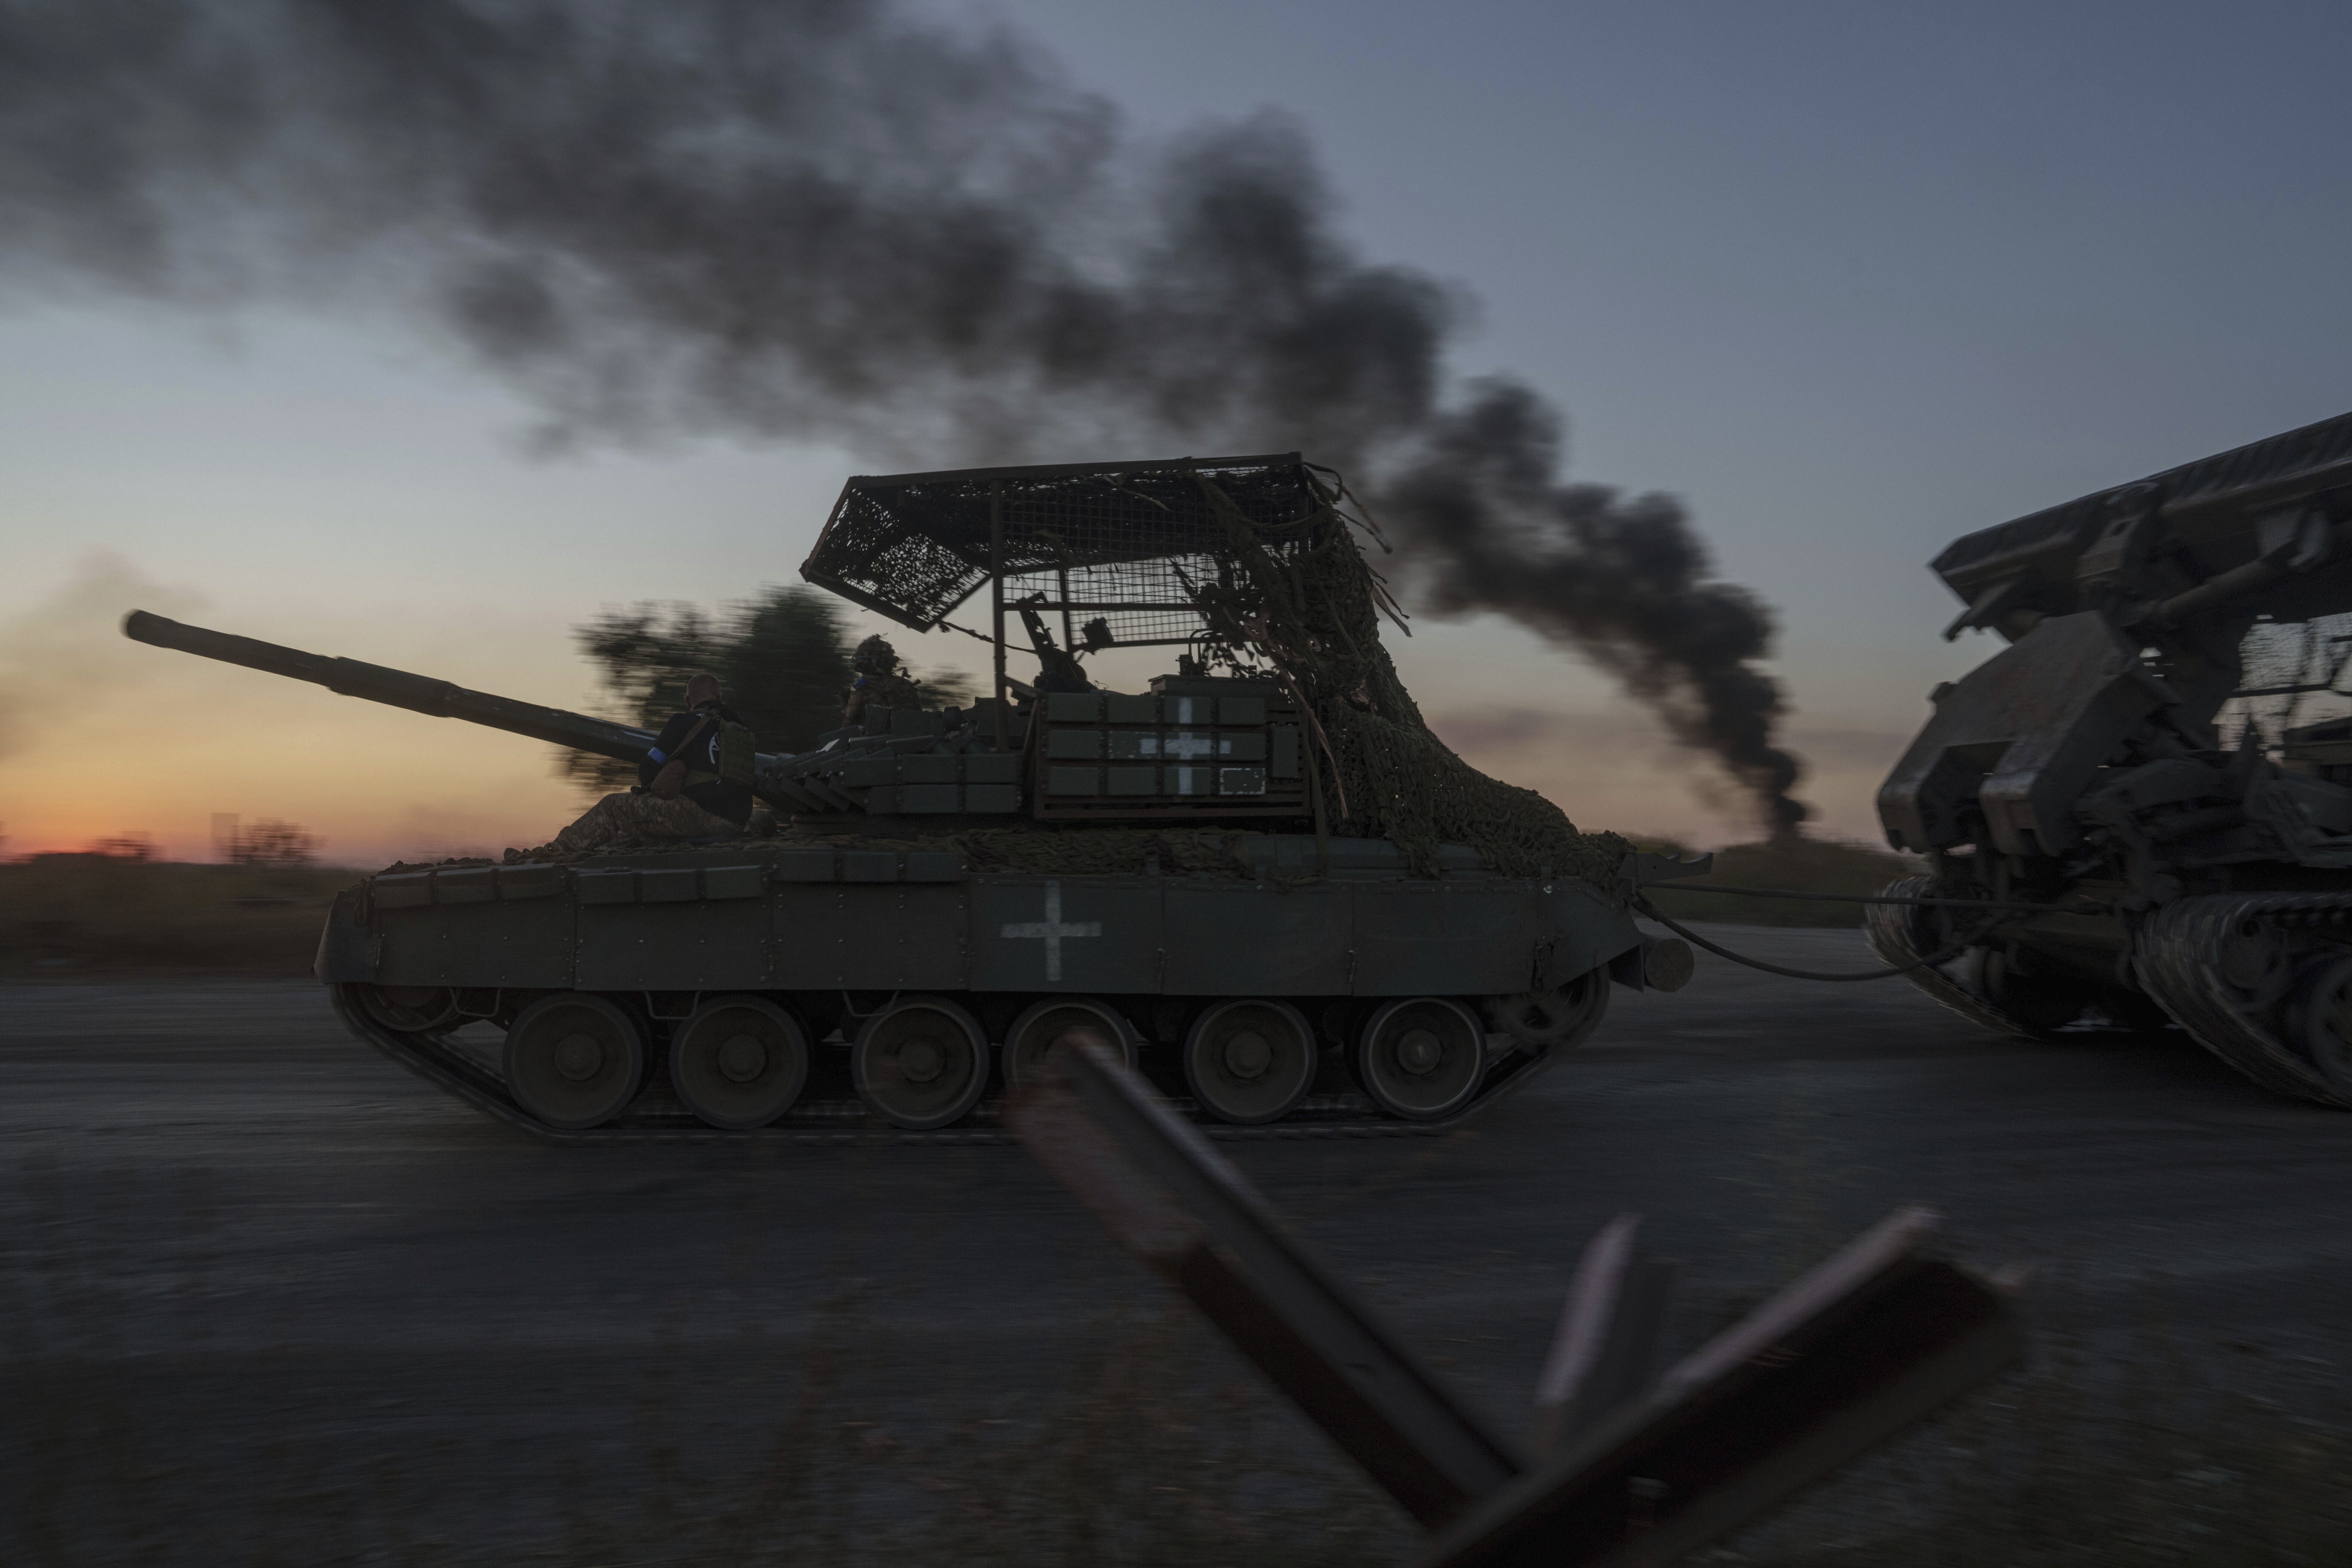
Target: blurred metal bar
x: 1604, y: 1353
x: 1871, y: 1341
x: 1183, y: 1208
x: 1852, y: 1353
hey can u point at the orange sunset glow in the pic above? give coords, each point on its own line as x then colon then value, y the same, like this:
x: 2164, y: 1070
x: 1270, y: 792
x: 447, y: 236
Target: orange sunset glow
x: 183, y: 738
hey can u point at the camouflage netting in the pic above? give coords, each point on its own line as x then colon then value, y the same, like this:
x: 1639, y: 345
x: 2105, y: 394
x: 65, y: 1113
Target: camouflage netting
x: 1186, y: 851
x: 1079, y: 851
x: 1312, y: 612
x: 1076, y: 850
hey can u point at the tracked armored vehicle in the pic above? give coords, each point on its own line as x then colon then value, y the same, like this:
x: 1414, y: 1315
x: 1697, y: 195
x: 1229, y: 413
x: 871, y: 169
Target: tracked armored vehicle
x: 1296, y: 909
x: 2157, y: 769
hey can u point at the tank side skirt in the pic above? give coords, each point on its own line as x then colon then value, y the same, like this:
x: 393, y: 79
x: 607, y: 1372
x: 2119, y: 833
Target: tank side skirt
x: 1024, y: 933
x: 1388, y: 938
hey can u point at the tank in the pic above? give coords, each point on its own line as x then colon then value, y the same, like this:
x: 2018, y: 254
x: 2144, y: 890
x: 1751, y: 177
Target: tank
x: 2156, y: 770
x: 1295, y: 909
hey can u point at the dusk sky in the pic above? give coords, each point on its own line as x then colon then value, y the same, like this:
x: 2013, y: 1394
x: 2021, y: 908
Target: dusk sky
x: 1849, y: 281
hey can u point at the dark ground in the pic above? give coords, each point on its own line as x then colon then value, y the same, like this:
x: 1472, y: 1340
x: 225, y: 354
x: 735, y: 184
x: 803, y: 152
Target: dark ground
x: 266, y: 1298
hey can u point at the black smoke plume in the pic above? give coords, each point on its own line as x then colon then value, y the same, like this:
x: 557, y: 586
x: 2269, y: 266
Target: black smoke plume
x: 1488, y: 526
x: 830, y: 219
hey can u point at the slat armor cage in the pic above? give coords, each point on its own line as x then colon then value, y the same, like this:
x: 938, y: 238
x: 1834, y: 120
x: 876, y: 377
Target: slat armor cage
x: 1254, y: 561
x: 1125, y: 543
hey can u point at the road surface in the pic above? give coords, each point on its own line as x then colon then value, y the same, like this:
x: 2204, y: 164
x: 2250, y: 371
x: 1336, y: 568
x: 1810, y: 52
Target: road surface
x: 268, y: 1298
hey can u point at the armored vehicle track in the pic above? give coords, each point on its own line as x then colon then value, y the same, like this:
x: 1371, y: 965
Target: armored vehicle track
x: 2259, y: 980
x: 1895, y: 935
x: 658, y: 1117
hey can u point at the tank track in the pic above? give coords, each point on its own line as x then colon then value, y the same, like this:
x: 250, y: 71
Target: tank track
x: 2179, y: 961
x: 657, y: 1118
x: 1891, y: 932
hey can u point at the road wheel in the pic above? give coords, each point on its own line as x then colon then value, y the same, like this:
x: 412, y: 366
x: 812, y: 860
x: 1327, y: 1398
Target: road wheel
x: 2319, y: 1020
x: 1557, y: 1019
x: 574, y: 1061
x: 410, y: 1009
x: 1034, y: 1033
x: 921, y: 1062
x: 1250, y: 1062
x: 739, y: 1062
x: 1423, y: 1059
x: 2255, y: 959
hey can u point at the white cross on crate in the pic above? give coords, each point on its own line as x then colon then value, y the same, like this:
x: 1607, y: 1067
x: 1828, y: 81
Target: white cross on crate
x: 1180, y: 745
x: 1053, y: 929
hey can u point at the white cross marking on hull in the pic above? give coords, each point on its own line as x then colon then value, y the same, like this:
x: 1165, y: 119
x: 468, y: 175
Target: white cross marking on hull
x: 1053, y: 929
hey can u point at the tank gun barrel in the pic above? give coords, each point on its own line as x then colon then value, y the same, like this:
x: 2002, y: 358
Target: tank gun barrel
x: 399, y: 689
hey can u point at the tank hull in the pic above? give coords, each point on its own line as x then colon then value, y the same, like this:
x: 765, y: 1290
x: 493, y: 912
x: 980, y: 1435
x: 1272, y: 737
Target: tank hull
x: 835, y: 935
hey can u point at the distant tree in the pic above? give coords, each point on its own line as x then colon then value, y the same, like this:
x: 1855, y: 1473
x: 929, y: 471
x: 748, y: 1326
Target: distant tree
x: 783, y: 658
x: 272, y: 843
x: 124, y: 847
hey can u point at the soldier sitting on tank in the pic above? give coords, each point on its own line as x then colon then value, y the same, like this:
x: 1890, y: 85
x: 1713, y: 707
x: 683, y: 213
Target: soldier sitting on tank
x: 881, y: 683
x: 1058, y: 668
x: 679, y: 792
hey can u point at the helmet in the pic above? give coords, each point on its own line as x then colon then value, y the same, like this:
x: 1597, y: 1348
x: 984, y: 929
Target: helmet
x: 875, y: 655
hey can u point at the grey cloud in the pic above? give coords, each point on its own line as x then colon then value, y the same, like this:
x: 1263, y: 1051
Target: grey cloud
x: 782, y: 219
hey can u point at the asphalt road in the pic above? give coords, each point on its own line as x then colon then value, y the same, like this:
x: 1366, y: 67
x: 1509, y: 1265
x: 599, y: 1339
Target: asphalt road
x: 263, y: 1293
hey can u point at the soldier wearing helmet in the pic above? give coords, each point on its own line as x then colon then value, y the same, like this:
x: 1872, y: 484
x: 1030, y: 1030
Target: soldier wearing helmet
x: 694, y: 782
x: 881, y: 683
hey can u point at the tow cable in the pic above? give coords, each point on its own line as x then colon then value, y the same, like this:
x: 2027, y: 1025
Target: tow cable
x: 1944, y: 954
